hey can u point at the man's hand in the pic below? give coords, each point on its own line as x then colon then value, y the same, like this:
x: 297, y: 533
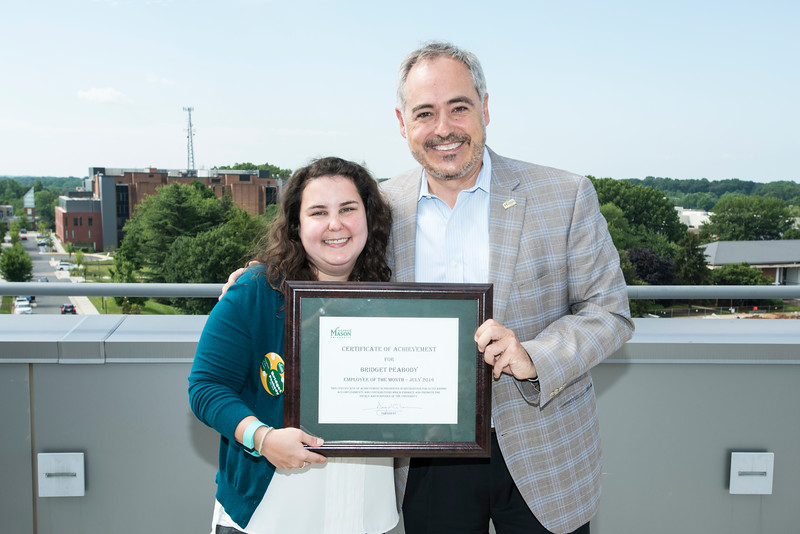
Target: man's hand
x: 233, y: 277
x: 503, y: 351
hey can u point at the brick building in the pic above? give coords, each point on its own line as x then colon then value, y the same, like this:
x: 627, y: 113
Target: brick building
x: 94, y: 217
x: 78, y: 217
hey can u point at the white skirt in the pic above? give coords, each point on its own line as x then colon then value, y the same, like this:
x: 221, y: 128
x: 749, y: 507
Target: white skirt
x: 341, y: 496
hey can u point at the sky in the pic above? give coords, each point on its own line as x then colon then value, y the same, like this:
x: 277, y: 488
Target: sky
x: 620, y: 89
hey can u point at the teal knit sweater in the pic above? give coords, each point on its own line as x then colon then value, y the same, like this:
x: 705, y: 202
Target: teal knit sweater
x: 225, y: 385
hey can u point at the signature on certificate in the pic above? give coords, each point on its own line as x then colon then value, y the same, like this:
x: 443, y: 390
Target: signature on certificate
x: 384, y: 409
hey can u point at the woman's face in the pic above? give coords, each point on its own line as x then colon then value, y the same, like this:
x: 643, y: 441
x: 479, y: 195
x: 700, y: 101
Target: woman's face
x: 333, y: 226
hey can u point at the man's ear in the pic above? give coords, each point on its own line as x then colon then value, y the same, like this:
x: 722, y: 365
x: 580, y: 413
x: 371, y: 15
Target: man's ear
x: 486, y: 109
x: 402, y: 123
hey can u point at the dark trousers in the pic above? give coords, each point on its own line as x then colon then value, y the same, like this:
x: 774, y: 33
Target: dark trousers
x: 459, y: 496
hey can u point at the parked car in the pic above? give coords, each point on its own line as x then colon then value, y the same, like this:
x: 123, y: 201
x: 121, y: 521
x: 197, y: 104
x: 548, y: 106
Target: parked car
x: 68, y: 308
x: 65, y: 266
x: 42, y: 279
x: 22, y: 306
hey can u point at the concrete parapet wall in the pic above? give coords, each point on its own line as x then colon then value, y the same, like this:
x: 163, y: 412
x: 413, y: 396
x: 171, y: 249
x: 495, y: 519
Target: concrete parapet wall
x: 674, y: 402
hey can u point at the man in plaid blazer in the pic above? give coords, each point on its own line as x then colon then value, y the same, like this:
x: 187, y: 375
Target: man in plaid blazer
x: 560, y: 306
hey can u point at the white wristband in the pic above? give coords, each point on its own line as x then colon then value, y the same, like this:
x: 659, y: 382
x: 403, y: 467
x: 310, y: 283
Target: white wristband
x: 261, y: 441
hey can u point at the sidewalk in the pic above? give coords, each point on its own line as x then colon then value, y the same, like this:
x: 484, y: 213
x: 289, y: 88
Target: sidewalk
x: 83, y: 305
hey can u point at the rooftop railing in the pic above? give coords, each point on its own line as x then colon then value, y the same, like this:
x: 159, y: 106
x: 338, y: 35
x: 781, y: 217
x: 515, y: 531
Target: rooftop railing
x: 213, y: 291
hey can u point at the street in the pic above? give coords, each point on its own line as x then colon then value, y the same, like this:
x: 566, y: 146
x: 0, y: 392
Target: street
x: 42, y: 268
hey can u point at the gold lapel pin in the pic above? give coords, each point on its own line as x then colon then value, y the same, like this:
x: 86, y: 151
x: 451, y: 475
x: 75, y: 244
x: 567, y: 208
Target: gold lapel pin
x: 509, y: 203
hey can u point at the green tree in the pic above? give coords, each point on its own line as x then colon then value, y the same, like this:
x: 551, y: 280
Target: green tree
x: 185, y: 234
x: 638, y: 307
x: 11, y: 192
x: 175, y: 210
x: 123, y: 273
x: 628, y: 270
x: 690, y: 262
x: 271, y: 212
x: 15, y: 264
x: 739, y: 274
x: 275, y: 171
x: 698, y: 201
x: 46, y: 202
x: 791, y: 233
x: 660, y: 244
x: 748, y: 218
x: 648, y: 211
x: 210, y: 256
x: 651, y: 268
x: 618, y: 226
x: 782, y: 189
x: 13, y: 232
x: 46, y: 193
x: 24, y: 221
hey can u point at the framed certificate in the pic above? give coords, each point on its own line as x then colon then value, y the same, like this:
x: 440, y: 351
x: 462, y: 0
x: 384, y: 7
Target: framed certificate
x: 388, y: 369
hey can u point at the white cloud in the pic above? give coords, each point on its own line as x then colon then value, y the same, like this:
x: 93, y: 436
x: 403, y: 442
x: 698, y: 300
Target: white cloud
x: 103, y: 95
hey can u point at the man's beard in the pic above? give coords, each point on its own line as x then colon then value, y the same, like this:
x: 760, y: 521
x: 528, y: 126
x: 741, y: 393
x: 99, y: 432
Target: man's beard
x: 475, y: 159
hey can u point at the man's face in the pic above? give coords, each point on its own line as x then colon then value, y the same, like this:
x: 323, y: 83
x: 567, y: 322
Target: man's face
x: 444, y: 121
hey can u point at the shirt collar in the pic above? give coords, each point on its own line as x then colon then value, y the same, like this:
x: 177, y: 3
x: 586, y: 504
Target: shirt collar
x: 483, y: 182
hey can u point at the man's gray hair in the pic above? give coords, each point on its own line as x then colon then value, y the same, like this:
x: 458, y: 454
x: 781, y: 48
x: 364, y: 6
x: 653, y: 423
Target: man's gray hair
x: 433, y: 50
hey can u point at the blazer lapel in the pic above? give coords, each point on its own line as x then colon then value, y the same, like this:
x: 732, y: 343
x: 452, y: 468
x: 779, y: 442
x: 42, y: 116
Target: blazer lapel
x: 506, y: 215
x: 404, y: 226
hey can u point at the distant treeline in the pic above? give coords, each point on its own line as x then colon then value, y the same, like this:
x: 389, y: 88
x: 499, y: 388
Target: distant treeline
x: 47, y: 189
x: 68, y: 182
x: 704, y: 194
x: 700, y: 193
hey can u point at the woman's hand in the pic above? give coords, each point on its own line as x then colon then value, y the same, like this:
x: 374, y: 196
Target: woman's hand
x: 284, y: 449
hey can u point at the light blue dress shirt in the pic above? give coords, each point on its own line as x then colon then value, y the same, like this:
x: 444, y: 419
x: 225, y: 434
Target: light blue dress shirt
x: 453, y: 244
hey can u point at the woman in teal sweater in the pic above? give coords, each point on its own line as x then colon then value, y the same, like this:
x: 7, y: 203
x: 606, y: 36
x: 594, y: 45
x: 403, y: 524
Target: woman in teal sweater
x: 333, y: 225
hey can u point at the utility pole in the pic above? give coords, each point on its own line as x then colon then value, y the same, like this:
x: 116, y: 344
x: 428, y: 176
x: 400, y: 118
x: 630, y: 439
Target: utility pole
x: 189, y: 144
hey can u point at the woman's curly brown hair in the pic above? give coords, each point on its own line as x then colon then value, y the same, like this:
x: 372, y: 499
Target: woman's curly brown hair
x: 282, y: 251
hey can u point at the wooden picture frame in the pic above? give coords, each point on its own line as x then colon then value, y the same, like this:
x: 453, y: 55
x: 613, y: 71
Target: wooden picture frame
x: 388, y: 369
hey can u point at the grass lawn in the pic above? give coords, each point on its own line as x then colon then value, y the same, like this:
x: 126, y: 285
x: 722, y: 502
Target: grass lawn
x: 97, y: 270
x: 151, y: 307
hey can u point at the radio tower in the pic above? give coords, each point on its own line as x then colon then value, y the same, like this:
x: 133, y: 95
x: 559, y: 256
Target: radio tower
x: 189, y: 145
